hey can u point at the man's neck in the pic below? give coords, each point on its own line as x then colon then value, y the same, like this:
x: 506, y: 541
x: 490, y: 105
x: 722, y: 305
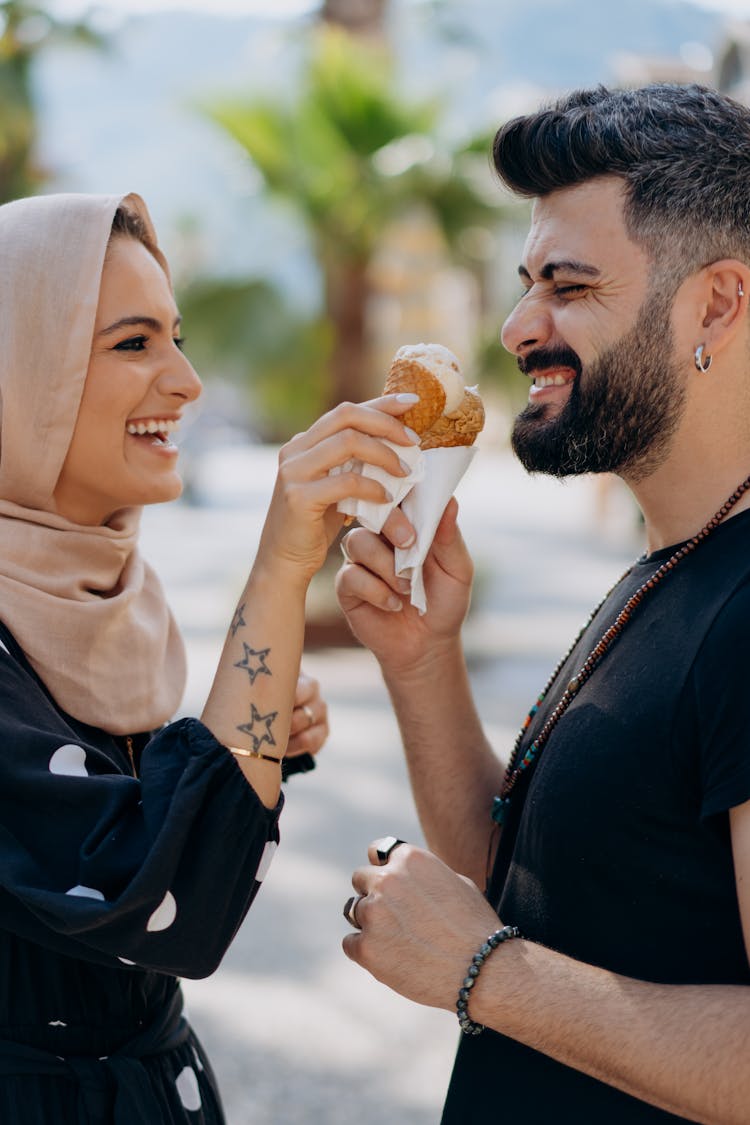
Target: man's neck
x: 681, y: 496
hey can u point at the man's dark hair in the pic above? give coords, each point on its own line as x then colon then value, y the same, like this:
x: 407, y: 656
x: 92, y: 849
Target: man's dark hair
x: 683, y: 153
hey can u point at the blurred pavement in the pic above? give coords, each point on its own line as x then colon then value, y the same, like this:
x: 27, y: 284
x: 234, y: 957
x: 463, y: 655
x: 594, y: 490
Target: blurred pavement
x: 297, y: 1034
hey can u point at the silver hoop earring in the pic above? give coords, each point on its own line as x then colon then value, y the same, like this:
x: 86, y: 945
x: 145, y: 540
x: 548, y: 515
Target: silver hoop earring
x: 740, y: 290
x: 700, y: 364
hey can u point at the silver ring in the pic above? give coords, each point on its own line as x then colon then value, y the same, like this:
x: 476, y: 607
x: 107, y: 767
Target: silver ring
x: 385, y: 847
x: 310, y: 716
x: 344, y: 552
x: 350, y: 910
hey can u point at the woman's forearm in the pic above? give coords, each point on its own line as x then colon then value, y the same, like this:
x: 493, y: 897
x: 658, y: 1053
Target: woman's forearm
x: 250, y: 703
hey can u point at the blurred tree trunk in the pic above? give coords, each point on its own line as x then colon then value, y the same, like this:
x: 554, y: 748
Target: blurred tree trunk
x: 347, y: 285
x: 363, y: 17
x: 347, y: 296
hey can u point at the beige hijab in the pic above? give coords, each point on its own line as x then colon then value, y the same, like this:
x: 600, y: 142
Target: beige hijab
x: 87, y: 610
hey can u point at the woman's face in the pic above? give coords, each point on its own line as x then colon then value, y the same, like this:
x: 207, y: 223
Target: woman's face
x: 137, y: 384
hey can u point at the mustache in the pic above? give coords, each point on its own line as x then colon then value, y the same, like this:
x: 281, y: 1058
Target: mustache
x: 542, y: 359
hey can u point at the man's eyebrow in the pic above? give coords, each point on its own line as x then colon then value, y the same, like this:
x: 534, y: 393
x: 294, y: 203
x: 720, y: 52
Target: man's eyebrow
x: 549, y: 269
x: 146, y: 321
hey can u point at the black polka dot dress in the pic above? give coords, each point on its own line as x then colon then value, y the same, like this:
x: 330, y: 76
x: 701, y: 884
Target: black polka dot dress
x: 124, y: 864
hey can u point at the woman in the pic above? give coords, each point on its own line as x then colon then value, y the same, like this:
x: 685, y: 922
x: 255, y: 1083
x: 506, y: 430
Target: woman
x: 130, y: 850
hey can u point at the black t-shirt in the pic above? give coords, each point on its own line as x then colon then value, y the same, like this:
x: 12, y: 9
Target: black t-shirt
x: 617, y: 849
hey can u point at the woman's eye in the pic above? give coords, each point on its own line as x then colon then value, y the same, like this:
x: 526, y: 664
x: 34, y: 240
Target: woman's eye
x: 179, y: 342
x: 132, y: 344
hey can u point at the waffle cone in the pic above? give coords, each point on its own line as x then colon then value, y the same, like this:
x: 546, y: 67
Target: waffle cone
x: 406, y: 375
x: 459, y: 427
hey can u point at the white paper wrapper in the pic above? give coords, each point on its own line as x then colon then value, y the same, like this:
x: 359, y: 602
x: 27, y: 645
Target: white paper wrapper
x: 373, y: 516
x: 425, y: 504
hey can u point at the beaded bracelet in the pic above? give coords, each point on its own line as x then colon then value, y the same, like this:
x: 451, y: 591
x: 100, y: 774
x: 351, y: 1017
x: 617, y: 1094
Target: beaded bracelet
x: 467, y: 1025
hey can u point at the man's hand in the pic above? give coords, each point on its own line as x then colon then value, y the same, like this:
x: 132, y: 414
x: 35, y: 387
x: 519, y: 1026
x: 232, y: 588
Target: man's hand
x: 376, y: 603
x: 420, y: 924
x: 452, y: 768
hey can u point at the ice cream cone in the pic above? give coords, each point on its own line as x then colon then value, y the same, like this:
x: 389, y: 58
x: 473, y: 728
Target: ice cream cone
x: 458, y: 428
x: 408, y: 375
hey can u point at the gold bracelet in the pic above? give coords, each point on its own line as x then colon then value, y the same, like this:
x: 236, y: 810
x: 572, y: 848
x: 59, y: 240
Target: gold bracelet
x: 253, y: 754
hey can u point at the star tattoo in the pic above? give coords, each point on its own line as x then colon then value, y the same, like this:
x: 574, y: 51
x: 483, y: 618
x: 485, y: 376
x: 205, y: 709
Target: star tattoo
x: 238, y: 620
x: 257, y: 719
x: 254, y: 662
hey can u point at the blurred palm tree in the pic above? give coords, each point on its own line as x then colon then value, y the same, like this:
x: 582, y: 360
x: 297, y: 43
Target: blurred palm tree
x: 352, y: 156
x: 245, y: 331
x: 25, y: 30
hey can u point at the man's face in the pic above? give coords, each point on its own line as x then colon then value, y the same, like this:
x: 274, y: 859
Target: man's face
x: 596, y: 341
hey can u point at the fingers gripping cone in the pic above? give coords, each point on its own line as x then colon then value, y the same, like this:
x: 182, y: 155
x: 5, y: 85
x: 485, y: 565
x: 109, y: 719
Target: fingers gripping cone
x: 404, y: 375
x: 424, y: 507
x: 447, y: 440
x: 447, y: 418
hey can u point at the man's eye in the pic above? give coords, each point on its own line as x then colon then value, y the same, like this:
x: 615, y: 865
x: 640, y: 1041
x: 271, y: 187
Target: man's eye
x: 569, y: 290
x: 132, y: 344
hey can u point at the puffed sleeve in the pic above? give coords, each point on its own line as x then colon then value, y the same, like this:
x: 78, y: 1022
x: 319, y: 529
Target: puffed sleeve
x: 156, y: 871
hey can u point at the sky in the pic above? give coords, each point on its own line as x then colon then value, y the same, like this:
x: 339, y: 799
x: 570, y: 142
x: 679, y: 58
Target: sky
x: 280, y: 8
x: 731, y: 7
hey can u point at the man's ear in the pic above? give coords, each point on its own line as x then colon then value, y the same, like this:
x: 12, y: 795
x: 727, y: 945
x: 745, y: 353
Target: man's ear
x: 724, y: 292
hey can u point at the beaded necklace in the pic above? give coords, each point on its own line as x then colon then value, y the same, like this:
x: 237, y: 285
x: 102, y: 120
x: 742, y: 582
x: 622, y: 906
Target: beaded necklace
x: 518, y: 765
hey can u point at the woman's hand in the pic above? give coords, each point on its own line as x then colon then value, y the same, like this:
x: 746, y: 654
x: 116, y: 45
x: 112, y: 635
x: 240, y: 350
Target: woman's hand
x: 309, y: 729
x: 376, y: 602
x: 302, y: 520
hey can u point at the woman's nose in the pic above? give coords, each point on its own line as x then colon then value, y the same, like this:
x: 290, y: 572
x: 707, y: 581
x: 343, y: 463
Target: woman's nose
x: 180, y: 379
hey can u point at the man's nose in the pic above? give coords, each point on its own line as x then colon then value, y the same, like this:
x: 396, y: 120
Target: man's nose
x: 528, y: 326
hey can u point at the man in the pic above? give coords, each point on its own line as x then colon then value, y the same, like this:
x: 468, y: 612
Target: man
x: 624, y: 847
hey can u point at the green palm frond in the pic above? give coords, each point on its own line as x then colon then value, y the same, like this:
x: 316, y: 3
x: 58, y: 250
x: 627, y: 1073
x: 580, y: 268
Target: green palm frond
x: 348, y: 152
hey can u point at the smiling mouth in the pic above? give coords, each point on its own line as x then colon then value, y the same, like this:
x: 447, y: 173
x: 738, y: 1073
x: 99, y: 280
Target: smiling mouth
x: 552, y: 380
x: 157, y: 428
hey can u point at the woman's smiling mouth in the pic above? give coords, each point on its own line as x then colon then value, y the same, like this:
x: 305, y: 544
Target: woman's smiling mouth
x: 157, y: 429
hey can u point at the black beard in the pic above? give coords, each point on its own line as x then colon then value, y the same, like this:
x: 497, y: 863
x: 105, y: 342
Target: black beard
x: 622, y: 411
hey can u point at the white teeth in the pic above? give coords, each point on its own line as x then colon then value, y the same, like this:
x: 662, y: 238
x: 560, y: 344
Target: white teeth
x: 551, y: 381
x: 152, y: 426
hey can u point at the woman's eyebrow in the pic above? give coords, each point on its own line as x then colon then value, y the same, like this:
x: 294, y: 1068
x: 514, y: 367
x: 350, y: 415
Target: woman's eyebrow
x: 147, y: 322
